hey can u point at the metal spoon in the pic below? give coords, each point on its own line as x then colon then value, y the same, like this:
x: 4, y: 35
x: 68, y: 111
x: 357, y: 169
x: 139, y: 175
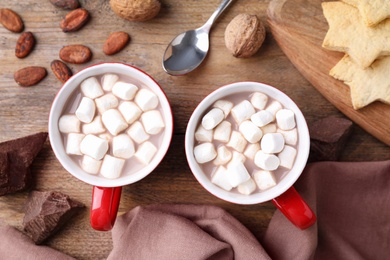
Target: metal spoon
x: 187, y: 50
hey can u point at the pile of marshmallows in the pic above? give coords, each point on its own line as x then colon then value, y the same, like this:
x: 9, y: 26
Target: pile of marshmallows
x: 266, y: 135
x: 112, y: 114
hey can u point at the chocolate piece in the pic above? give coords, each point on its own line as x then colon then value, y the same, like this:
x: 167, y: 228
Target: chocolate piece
x: 328, y: 137
x: 47, y: 212
x: 16, y: 157
x: 4, y: 168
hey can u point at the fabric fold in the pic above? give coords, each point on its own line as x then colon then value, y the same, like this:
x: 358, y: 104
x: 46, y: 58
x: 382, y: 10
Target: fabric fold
x: 351, y: 201
x: 182, y: 232
x: 14, y: 245
x: 352, y: 204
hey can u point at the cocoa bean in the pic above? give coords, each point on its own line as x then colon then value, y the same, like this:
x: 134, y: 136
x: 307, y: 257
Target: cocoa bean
x: 115, y: 42
x: 11, y: 20
x: 74, y: 20
x: 76, y: 54
x: 24, y: 45
x: 61, y: 70
x: 66, y: 4
x: 30, y: 76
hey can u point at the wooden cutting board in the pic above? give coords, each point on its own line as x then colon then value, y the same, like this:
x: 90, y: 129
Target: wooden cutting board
x: 299, y: 27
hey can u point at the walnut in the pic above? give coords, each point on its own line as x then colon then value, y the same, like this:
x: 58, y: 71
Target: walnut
x: 244, y: 35
x: 136, y: 10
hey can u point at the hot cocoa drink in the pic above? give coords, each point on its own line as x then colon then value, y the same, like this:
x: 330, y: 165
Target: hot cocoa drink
x: 112, y: 125
x: 246, y: 142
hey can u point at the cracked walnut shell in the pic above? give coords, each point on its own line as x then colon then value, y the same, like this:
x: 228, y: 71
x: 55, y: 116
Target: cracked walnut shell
x: 244, y: 35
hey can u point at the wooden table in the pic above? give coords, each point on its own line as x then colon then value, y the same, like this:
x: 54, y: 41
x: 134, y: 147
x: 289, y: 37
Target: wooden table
x: 24, y: 111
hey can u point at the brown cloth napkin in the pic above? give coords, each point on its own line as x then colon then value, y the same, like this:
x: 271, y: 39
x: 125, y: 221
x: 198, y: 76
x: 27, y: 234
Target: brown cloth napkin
x: 351, y: 200
x: 352, y: 204
x: 182, y: 232
x: 14, y: 245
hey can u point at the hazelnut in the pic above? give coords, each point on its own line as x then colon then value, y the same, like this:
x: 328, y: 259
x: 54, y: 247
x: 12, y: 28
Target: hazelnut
x: 244, y: 35
x: 136, y: 10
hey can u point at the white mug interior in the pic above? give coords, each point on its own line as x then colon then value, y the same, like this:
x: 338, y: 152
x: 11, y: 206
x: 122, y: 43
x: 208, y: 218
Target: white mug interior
x: 286, y: 182
x: 60, y: 101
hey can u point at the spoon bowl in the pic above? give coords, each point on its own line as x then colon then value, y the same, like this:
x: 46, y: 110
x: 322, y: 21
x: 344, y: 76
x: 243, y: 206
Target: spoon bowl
x: 188, y: 50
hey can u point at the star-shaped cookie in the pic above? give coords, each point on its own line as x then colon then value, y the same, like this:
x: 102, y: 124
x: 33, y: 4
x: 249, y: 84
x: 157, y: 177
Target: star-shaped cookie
x: 372, y: 11
x: 348, y: 33
x: 367, y: 85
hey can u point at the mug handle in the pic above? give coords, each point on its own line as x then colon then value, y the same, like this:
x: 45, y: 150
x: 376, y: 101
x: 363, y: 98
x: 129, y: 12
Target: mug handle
x: 291, y: 204
x: 105, y: 203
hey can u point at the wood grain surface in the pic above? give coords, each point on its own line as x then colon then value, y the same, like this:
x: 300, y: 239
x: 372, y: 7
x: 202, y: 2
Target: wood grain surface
x: 25, y: 110
x: 299, y: 27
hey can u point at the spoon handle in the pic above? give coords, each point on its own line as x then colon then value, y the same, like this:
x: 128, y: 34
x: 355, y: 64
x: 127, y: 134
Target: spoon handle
x: 215, y: 15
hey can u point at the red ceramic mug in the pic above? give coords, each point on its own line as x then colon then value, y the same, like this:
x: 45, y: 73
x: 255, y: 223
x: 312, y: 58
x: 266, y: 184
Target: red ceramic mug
x: 283, y: 194
x: 107, y: 192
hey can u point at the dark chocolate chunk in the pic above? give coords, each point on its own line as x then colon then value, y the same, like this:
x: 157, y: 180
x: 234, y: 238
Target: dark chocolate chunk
x: 328, y: 137
x: 47, y: 212
x: 4, y: 169
x: 16, y: 157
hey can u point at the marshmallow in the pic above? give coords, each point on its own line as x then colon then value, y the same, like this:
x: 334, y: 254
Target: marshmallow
x: 152, y: 122
x: 287, y: 156
x: 95, y: 127
x: 203, y: 135
x: 259, y: 100
x: 137, y: 133
x: 238, y: 157
x: 112, y: 167
x: 146, y: 99
x: 250, y: 131
x: 109, y: 80
x: 237, y: 141
x: 94, y: 146
x: 86, y: 110
x: 212, y: 118
x: 114, y: 121
x: 223, y: 131
x: 224, y: 105
x: 145, y: 152
x: 247, y: 187
x: 105, y: 136
x: 262, y: 118
x: 91, y: 88
x: 264, y: 179
x: 290, y: 136
x: 90, y: 165
x: 220, y: 179
x: 123, y: 90
x: 270, y: 128
x: 106, y: 102
x: 251, y: 150
x: 285, y: 119
x: 130, y: 111
x: 73, y: 141
x: 265, y: 161
x: 69, y: 124
x: 272, y: 143
x: 122, y: 146
x: 223, y: 155
x: 204, y: 152
x: 237, y: 173
x: 274, y: 107
x: 242, y: 111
